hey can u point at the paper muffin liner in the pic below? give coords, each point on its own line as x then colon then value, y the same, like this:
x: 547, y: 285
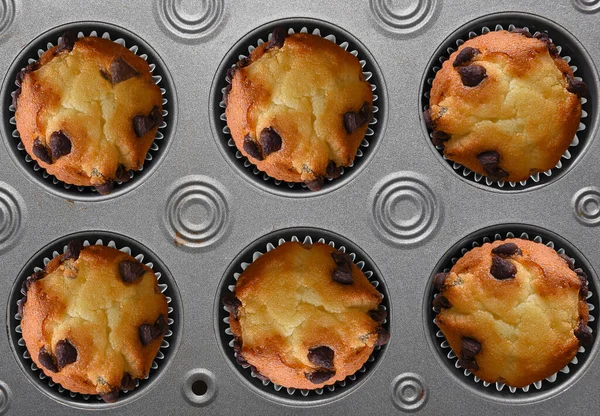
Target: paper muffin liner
x: 156, y: 77
x: 159, y: 355
x: 367, y: 139
x: 451, y: 355
x: 369, y: 274
x: 478, y: 178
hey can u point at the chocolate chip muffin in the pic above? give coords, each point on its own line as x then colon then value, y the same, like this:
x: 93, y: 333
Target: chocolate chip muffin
x: 93, y: 320
x: 298, y: 107
x: 87, y: 111
x: 304, y: 316
x: 505, y: 105
x: 513, y: 311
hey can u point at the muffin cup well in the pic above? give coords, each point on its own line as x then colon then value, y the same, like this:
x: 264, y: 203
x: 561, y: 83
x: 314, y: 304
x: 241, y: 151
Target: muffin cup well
x: 253, y: 252
x: 559, y: 378
x: 568, y: 49
x: 44, y: 382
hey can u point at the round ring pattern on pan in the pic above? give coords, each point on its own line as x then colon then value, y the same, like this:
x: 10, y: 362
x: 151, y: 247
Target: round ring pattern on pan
x: 11, y: 216
x: 190, y: 25
x: 199, y: 387
x: 587, y: 6
x: 409, y: 392
x: 405, y: 209
x: 586, y: 203
x: 404, y: 19
x: 266, y: 389
x: 196, y: 213
x: 540, y: 390
x: 7, y: 14
x: 163, y: 357
x: 31, y: 53
x: 242, y: 49
x: 4, y: 397
x: 569, y: 48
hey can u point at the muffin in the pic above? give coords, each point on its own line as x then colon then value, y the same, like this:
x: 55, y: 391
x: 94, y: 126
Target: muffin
x: 87, y: 111
x: 93, y: 320
x: 505, y: 105
x: 513, y: 311
x: 304, y: 316
x: 298, y: 107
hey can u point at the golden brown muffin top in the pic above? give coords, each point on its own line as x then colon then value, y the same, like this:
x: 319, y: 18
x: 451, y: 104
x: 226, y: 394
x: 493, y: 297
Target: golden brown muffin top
x: 299, y: 108
x: 298, y: 326
x: 88, y: 111
x: 94, y: 320
x: 505, y: 105
x: 514, y: 311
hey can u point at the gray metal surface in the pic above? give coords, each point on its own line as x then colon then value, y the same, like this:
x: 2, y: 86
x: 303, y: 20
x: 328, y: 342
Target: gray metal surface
x: 196, y: 210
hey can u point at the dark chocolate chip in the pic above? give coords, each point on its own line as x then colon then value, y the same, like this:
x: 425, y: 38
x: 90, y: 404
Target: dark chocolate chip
x: 105, y: 188
x: 315, y: 185
x: 465, y: 56
x: 277, y: 38
x: 258, y: 374
x: 231, y: 303
x: 502, y: 269
x: 144, y: 124
x: 237, y: 345
x: 321, y: 356
x: 354, y: 120
x: 507, y: 250
x: 40, y: 274
x: 121, y: 175
x: 542, y: 36
x: 551, y: 46
x: 583, y: 290
x: 567, y: 260
x: 47, y: 360
x: 577, y: 87
x: 73, y: 249
x: 67, y: 42
x: 149, y: 333
x: 226, y: 95
x: 318, y: 377
x: 472, y: 75
x: 21, y: 305
x: 41, y: 152
x: 469, y: 348
x: 343, y: 272
x: 66, y: 353
x: 427, y: 119
x: 29, y: 68
x: 383, y: 337
x: 489, y: 162
x: 231, y: 73
x: 110, y: 397
x: 121, y: 70
x: 251, y: 148
x: 378, y: 316
x: 60, y: 144
x: 127, y: 383
x: 583, y: 334
x: 438, y: 281
x: 130, y: 270
x: 333, y: 171
x: 523, y: 32
x: 239, y: 358
x: 15, y: 98
x: 270, y: 141
x: 438, y: 138
x: 441, y: 302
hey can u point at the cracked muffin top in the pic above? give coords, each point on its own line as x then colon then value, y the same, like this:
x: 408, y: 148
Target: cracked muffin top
x: 87, y: 111
x: 505, y: 105
x: 513, y: 311
x: 298, y: 107
x: 93, y: 320
x: 305, y: 316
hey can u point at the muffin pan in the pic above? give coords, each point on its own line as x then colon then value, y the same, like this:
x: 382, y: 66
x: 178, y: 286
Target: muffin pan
x: 197, y: 212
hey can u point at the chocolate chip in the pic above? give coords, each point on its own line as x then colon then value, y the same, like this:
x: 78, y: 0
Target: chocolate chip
x: 438, y: 138
x: 315, y: 185
x: 251, y: 148
x: 111, y: 396
x: 66, y: 353
x: 239, y: 358
x: 144, y: 124
x: 258, y: 374
x: 47, y: 360
x: 41, y: 152
x: 567, y: 260
x: 502, y: 269
x: 321, y: 356
x: 270, y: 141
x: 231, y: 303
x: 40, y: 274
x: 333, y: 171
x: 21, y: 305
x: 231, y: 73
x: 29, y: 68
x: 427, y: 119
x: 542, y: 36
x: 121, y: 70
x: 523, y: 32
x: 131, y: 270
x: 60, y: 144
x: 277, y: 38
x: 67, y: 42
x: 472, y: 75
x: 15, y: 97
x: 441, y: 302
x: 507, y: 250
x: 343, y: 272
x: 318, y: 377
x: 226, y: 95
x: 105, y: 188
x: 127, y: 383
x: 121, y: 175
x: 469, y: 348
x: 379, y: 315
x: 577, y: 87
x: 583, y: 289
x: 583, y: 334
x: 149, y: 333
x: 438, y: 281
x: 354, y: 120
x: 465, y: 55
x: 383, y: 337
x: 73, y: 249
x: 489, y: 162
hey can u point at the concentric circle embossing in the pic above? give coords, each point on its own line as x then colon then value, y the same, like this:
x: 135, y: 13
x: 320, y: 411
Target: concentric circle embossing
x: 7, y: 15
x: 404, y: 17
x: 4, y: 398
x: 409, y: 392
x: 196, y: 213
x: 586, y: 203
x: 199, y: 387
x: 191, y: 21
x: 11, y: 215
x: 587, y: 6
x: 405, y: 209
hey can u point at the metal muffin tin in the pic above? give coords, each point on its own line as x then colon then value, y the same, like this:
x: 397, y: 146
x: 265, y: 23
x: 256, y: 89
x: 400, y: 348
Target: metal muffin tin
x: 195, y: 210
